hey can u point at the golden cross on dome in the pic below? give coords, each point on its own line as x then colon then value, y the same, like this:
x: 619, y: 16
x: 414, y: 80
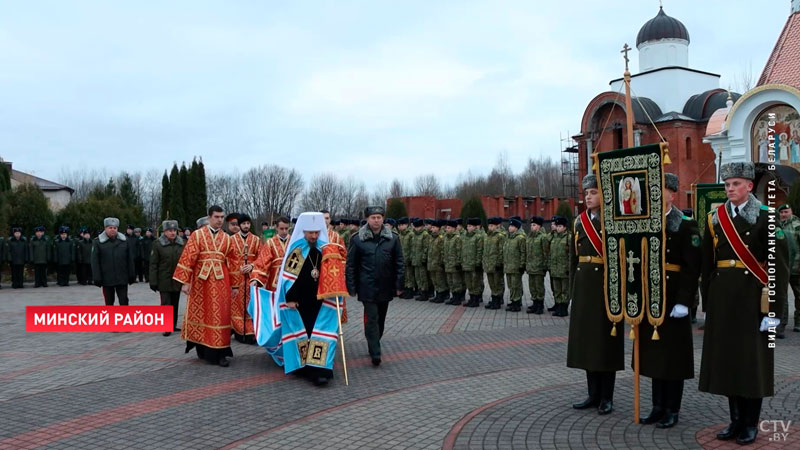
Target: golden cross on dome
x: 625, y: 51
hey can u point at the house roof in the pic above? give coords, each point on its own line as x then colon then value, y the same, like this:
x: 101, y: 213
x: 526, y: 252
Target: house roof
x: 783, y: 65
x: 45, y: 185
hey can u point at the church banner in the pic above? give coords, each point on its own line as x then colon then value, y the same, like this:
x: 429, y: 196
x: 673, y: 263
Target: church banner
x: 706, y: 198
x: 632, y: 212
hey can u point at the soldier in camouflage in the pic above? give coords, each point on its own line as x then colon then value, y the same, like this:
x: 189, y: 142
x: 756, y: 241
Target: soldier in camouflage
x: 453, y: 244
x: 493, y: 261
x: 538, y: 253
x: 791, y: 228
x: 559, y: 266
x: 420, y: 242
x: 436, y: 263
x: 514, y: 263
x: 406, y: 236
x: 471, y: 260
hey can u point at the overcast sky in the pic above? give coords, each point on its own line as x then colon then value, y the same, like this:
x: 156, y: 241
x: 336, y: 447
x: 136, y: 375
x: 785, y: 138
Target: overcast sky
x: 374, y: 89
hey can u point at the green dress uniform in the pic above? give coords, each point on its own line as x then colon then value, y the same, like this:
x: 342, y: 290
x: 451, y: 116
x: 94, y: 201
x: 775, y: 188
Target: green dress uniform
x: 559, y: 244
x: 17, y: 256
x: 513, y: 265
x: 41, y: 254
x: 64, y: 257
x: 791, y: 228
x: 420, y: 242
x: 538, y: 255
x: 493, y: 263
x: 738, y: 359
x: 669, y: 359
x: 436, y: 267
x: 590, y: 345
x: 453, y: 244
x: 471, y: 257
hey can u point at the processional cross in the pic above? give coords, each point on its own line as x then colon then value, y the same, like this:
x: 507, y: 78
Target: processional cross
x: 631, y: 262
x: 625, y: 51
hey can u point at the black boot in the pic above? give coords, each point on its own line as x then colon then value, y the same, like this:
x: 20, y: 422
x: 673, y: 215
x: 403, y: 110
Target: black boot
x: 438, y: 298
x: 406, y: 294
x: 733, y: 429
x: 457, y: 300
x: 593, y: 385
x: 473, y: 302
x: 495, y: 303
x: 531, y: 309
x: 539, y: 307
x: 552, y: 308
x: 607, y: 381
x: 514, y: 306
x: 561, y: 310
x: 749, y: 411
x: 423, y: 296
x: 669, y: 420
x: 657, y: 413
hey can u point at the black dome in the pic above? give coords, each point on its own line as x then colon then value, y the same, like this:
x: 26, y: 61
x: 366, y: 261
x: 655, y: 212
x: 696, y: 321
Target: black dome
x: 702, y: 106
x: 660, y: 27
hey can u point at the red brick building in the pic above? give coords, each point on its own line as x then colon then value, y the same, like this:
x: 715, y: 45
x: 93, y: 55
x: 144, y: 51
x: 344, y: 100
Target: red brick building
x: 525, y: 207
x: 669, y: 98
x: 425, y: 206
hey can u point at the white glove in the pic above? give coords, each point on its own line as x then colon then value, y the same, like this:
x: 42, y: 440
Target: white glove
x: 768, y: 322
x: 679, y: 311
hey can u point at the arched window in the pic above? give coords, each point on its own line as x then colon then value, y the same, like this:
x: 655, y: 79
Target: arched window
x: 688, y: 148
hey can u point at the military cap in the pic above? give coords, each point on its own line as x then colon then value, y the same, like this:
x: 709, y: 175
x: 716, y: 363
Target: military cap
x: 231, y: 217
x: 514, y: 222
x: 370, y: 210
x: 15, y: 229
x: 744, y: 170
x: 418, y: 222
x: 130, y: 227
x: 111, y: 222
x: 589, y: 181
x: 459, y: 221
x: 363, y: 222
x: 83, y: 230
x: 784, y: 206
x: 244, y: 218
x: 150, y: 229
x: 336, y: 222
x: 63, y: 229
x: 560, y: 221
x: 203, y: 221
x: 391, y: 221
x: 402, y: 220
x: 137, y: 230
x: 429, y: 221
x: 185, y: 229
x: 538, y: 220
x: 494, y: 220
x: 671, y: 181
x: 169, y: 225
x: 476, y: 221
x: 452, y: 223
x: 39, y: 228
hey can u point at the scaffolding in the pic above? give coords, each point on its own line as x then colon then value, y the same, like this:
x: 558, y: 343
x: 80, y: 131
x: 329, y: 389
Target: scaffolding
x: 569, y: 168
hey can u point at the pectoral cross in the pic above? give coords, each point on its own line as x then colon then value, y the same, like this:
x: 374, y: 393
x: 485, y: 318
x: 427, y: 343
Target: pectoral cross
x: 625, y: 51
x: 631, y: 262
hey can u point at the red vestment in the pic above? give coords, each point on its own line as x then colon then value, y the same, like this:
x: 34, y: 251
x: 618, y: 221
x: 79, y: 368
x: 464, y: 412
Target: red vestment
x: 240, y: 281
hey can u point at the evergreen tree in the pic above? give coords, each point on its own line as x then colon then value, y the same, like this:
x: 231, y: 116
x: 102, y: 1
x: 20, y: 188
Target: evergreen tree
x: 187, y: 212
x: 202, y: 194
x: 396, y: 209
x: 176, y: 196
x: 5, y: 178
x: 165, y: 214
x: 111, y: 188
x: 474, y: 208
x: 126, y: 192
x: 564, y: 210
x: 29, y: 208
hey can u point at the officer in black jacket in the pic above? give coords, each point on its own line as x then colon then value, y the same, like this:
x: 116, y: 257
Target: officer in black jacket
x: 17, y: 256
x: 112, y: 262
x: 145, y: 247
x: 375, y: 273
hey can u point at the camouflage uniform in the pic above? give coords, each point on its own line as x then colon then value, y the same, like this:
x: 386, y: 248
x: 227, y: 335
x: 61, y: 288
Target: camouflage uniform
x: 406, y: 238
x: 420, y: 242
x: 453, y: 243
x: 791, y: 229
x: 436, y: 267
x: 471, y: 260
x: 493, y: 265
x: 537, y: 252
x: 559, y: 267
x: 513, y: 266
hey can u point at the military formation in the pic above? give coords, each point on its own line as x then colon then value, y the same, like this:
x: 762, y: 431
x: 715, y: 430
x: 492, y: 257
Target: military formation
x: 65, y: 254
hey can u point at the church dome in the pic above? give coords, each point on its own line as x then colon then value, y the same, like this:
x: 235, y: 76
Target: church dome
x: 661, y: 27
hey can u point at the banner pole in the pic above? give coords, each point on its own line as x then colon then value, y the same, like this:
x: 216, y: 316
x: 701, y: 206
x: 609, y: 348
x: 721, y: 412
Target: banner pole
x: 341, y: 341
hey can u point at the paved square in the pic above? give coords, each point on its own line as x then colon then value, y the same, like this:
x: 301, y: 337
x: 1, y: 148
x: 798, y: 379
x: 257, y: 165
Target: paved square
x: 452, y: 377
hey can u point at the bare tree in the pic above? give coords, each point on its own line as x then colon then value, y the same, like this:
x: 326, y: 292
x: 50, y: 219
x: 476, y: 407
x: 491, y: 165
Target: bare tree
x: 325, y: 191
x: 150, y: 193
x: 397, y: 189
x: 744, y: 80
x: 379, y: 195
x: 83, y: 181
x: 427, y: 185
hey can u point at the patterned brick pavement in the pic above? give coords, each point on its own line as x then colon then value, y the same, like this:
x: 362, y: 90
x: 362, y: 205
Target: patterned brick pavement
x: 452, y: 377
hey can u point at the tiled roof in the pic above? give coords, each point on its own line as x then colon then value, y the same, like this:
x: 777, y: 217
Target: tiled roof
x: 783, y: 65
x: 45, y: 185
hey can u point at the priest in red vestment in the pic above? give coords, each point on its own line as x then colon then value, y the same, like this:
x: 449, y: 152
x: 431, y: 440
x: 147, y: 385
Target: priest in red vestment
x: 246, y: 247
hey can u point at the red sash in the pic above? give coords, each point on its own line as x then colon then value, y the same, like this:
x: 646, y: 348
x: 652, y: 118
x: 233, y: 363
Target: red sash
x: 744, y: 254
x: 594, y: 236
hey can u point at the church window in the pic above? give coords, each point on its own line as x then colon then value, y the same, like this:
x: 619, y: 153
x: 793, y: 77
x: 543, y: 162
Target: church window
x: 688, y: 148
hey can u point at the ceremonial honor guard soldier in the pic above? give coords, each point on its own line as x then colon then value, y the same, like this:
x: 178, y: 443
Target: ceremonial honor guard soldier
x: 590, y: 346
x: 669, y: 359
x: 17, y: 256
x: 738, y: 358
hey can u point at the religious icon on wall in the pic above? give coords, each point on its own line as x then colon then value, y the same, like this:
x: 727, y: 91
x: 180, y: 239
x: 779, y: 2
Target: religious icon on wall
x: 787, y: 136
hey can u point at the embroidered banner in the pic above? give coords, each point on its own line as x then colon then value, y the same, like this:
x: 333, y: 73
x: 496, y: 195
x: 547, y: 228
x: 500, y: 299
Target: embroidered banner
x: 631, y: 181
x: 707, y: 197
